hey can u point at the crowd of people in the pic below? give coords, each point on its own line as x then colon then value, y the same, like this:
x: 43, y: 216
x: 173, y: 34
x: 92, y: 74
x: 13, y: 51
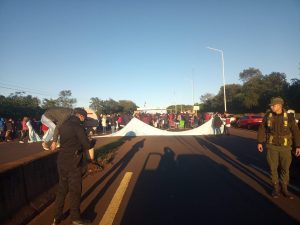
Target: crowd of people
x: 171, y: 120
x: 32, y: 130
x: 179, y: 120
x: 186, y: 120
x: 25, y: 129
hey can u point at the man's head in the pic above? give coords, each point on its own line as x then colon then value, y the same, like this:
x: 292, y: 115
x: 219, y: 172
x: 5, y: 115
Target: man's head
x: 276, y: 104
x: 80, y: 113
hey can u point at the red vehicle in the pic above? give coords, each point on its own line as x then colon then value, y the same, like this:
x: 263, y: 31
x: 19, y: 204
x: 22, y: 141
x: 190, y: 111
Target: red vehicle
x: 249, y: 121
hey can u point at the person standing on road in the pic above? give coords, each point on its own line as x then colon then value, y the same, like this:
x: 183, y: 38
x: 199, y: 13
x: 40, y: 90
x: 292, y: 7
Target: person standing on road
x: 10, y: 129
x: 226, y: 124
x: 53, y: 118
x: 71, y: 164
x: 32, y: 135
x: 104, y: 124
x: 217, y: 123
x: 278, y: 130
x: 2, y: 129
x: 25, y: 130
x: 113, y: 123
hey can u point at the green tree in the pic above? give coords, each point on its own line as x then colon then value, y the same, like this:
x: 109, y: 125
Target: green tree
x: 255, y: 93
x: 96, y: 104
x: 249, y: 73
x: 65, y: 99
x: 251, y: 92
x: 18, y: 105
x: 49, y: 103
x: 19, y: 99
x: 206, y: 97
x: 274, y: 84
x: 233, y: 103
x: 293, y: 95
x: 111, y: 106
x: 127, y: 106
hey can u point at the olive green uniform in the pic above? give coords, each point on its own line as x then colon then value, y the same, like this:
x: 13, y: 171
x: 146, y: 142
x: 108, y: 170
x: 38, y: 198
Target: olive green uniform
x: 279, y: 132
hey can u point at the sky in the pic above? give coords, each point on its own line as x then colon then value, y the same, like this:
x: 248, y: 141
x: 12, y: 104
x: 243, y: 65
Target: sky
x: 152, y: 52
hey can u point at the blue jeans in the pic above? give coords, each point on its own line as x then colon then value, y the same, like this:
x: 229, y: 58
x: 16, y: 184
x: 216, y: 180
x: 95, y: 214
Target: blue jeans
x: 113, y: 129
x: 51, y: 126
x: 217, y: 130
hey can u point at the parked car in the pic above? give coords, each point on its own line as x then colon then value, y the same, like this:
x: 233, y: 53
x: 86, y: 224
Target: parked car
x: 249, y: 121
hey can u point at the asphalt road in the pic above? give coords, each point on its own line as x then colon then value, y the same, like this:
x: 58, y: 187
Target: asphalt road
x: 184, y: 180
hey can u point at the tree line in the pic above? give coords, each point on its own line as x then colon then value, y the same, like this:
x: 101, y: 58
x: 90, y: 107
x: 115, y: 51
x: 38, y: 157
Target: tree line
x: 17, y: 105
x: 254, y: 94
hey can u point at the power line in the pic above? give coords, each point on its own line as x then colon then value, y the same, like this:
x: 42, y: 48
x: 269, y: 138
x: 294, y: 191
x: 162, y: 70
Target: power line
x: 18, y: 86
x: 15, y: 89
x: 23, y: 89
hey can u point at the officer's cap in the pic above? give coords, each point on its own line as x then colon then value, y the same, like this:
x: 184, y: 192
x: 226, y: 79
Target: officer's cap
x: 276, y: 100
x: 80, y: 111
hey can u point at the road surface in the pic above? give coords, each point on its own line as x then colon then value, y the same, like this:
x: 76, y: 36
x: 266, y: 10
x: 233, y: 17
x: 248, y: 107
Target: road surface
x: 184, y: 180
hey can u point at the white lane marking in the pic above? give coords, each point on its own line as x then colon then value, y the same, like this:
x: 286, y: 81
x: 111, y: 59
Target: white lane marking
x: 269, y: 175
x: 115, y: 203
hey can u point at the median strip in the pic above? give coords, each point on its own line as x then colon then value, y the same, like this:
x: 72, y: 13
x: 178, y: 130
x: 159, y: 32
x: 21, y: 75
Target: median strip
x: 115, y: 203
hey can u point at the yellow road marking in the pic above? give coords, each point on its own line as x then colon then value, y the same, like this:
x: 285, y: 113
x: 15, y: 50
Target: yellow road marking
x: 114, y: 205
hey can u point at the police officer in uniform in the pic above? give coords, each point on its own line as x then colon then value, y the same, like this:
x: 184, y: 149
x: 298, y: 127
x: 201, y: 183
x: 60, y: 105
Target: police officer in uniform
x: 279, y: 130
x: 71, y: 163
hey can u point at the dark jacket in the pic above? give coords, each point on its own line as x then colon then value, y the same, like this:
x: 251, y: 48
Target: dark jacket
x: 113, y: 121
x: 58, y: 116
x: 10, y: 126
x: 217, y: 122
x: 278, y: 127
x: 73, y: 144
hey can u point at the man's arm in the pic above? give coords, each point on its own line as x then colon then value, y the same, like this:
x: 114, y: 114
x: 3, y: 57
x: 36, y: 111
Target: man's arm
x: 55, y: 137
x: 295, y: 132
x: 83, y: 138
x: 296, y: 135
x: 261, y: 135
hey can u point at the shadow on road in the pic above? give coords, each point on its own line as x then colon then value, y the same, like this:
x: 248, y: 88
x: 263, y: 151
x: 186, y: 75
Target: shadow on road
x: 246, y: 152
x: 192, y: 189
x: 90, y: 212
x: 242, y: 159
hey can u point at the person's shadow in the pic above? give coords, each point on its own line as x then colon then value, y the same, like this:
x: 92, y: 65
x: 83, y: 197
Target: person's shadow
x: 89, y: 212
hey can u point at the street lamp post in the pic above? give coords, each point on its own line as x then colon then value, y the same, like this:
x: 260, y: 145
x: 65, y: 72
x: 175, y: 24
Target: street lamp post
x: 193, y: 92
x: 224, y: 88
x: 193, y: 87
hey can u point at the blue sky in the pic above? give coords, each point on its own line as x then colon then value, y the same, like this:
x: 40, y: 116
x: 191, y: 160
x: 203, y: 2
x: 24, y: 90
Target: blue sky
x: 144, y: 50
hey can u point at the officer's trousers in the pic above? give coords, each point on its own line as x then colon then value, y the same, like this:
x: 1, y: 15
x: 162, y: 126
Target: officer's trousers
x: 279, y: 157
x: 69, y: 181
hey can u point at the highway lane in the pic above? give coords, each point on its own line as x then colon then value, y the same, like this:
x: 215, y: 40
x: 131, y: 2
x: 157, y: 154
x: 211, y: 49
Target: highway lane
x: 184, y: 180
